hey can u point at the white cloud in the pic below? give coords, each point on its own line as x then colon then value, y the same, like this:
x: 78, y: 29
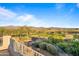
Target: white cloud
x: 5, y: 13
x: 31, y: 19
x: 59, y: 6
x: 77, y: 5
x: 69, y: 12
x: 11, y: 24
x: 26, y: 17
x: 8, y: 17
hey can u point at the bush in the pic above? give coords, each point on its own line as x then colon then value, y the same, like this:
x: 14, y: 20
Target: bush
x: 36, y: 44
x: 42, y: 45
x: 63, y: 45
x: 51, y: 48
x: 74, y: 49
x: 55, y: 39
x: 70, y: 48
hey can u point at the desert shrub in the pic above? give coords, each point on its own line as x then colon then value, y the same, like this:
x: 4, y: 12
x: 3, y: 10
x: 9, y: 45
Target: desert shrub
x: 48, y: 41
x: 75, y: 36
x: 75, y: 43
x: 70, y: 48
x: 42, y: 45
x: 63, y: 45
x: 74, y: 49
x: 55, y: 39
x: 36, y: 44
x: 51, y: 48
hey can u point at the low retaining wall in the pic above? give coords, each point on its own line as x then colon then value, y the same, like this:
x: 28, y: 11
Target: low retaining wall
x: 11, y: 50
x: 19, y: 49
x: 5, y: 42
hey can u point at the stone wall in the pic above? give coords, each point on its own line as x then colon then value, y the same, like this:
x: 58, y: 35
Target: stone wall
x: 6, y: 42
x: 11, y: 49
x: 19, y: 49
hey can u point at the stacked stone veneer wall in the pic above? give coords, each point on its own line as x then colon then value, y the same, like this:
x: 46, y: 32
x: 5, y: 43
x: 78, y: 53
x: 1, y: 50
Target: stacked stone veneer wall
x: 16, y: 49
x: 6, y: 42
x: 11, y: 49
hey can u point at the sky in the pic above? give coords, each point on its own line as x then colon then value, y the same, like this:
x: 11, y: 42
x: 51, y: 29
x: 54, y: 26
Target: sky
x: 40, y: 14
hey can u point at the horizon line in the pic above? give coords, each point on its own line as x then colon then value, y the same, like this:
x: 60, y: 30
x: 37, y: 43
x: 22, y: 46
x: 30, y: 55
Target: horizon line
x: 36, y: 26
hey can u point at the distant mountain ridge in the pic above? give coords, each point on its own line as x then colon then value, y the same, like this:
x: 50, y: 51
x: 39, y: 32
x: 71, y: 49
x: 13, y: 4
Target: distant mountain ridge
x: 38, y: 28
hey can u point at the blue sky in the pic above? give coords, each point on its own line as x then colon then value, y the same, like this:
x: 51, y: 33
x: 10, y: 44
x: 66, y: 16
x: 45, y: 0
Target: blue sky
x: 40, y: 14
